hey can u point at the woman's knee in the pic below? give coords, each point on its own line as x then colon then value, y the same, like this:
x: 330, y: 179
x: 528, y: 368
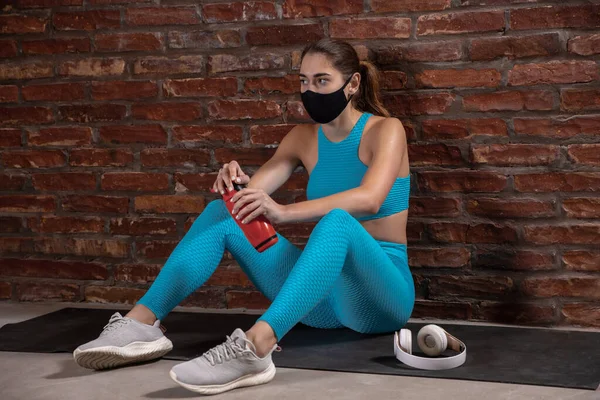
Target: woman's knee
x: 336, y: 215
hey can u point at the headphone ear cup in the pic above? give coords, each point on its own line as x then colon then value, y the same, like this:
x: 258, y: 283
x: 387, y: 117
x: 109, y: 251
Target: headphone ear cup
x: 432, y: 340
x: 406, y: 340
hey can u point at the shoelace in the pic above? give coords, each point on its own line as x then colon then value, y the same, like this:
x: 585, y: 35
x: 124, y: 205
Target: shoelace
x: 224, y: 352
x: 115, y: 321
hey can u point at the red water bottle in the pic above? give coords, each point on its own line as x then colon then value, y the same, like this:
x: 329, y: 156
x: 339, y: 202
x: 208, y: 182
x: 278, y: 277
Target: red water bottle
x: 259, y: 231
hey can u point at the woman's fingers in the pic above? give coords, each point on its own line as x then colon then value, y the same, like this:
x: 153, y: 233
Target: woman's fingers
x: 259, y: 210
x: 248, y: 209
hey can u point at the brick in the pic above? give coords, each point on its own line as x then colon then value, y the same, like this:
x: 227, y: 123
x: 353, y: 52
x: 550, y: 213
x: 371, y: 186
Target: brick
x: 586, y: 154
x: 461, y: 181
x: 514, y: 154
x: 53, y: 224
x: 229, y: 276
x: 419, y: 104
x: 244, y: 157
x: 47, y: 291
x: 26, y: 115
x: 12, y: 182
x: 509, y: 101
x: 434, y: 206
x: 48, y: 3
x: 205, y: 298
x: 553, y: 72
x: 288, y: 84
x: 124, y: 90
x: 64, y: 181
x: 450, y: 50
x: 195, y: 182
x: 87, y: 20
x: 436, y: 129
x: 170, y: 204
x: 445, y: 257
x: 26, y: 70
x: 205, y: 40
x: 35, y: 268
x: 92, y: 112
x: 134, y: 181
x: 513, y: 47
x: 187, y: 158
x: 27, y: 203
x: 558, y: 182
x: 515, y: 313
x: 10, y: 137
x: 393, y: 80
x: 92, y: 67
x: 571, y: 234
x: 10, y: 224
x: 559, y: 128
x: 370, y: 28
x: 443, y: 78
x: 83, y: 247
x: 581, y: 260
x: 582, y: 207
x: 9, y: 94
x: 441, y: 310
x: 33, y: 159
x: 434, y: 154
x: 295, y: 112
x: 56, y: 46
x: 92, y: 203
x: 409, y: 5
x: 478, y: 233
x: 269, y: 134
x: 200, y: 87
x: 586, y: 287
x: 100, y: 158
x: 5, y: 290
x: 514, y: 260
x: 126, y: 134
x: 243, y: 109
x: 202, y: 135
x: 239, y: 11
x: 470, y: 286
x: 320, y: 8
x: 113, y: 295
x: 582, y: 314
x: 22, y: 24
x: 252, y: 62
x: 247, y: 300
x: 584, y: 45
x: 283, y: 35
x: 580, y: 17
x: 102, y: 2
x: 167, y: 111
x: 156, y: 16
x: 193, y: 64
x: 137, y: 273
x: 509, y: 208
x: 54, y: 92
x: 463, y: 22
x: 138, y: 41
x: 8, y: 48
x: 154, y: 249
x: 143, y: 226
x: 580, y: 99
x: 15, y: 245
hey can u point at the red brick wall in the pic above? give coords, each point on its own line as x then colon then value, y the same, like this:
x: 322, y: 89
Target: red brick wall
x: 116, y: 114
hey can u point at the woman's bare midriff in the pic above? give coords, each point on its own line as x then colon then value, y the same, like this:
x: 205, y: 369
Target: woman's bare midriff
x: 391, y: 228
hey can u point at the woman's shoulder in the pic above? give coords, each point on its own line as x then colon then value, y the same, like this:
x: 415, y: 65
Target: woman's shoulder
x: 380, y: 125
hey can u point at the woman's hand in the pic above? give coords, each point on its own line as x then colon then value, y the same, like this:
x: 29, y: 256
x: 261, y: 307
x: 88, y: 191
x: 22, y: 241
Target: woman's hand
x: 254, y: 202
x: 229, y: 173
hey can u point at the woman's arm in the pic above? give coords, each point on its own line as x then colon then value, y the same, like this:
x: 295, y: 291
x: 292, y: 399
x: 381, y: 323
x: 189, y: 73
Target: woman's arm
x: 388, y: 147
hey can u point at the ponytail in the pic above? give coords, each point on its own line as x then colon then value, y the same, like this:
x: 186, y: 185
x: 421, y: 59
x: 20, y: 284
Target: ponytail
x: 367, y: 99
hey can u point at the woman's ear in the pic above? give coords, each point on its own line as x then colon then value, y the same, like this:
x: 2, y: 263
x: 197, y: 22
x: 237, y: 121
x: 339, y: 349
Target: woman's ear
x: 354, y: 83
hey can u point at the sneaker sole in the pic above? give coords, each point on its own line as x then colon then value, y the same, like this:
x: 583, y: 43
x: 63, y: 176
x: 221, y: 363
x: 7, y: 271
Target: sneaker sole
x: 248, y: 380
x: 112, y: 356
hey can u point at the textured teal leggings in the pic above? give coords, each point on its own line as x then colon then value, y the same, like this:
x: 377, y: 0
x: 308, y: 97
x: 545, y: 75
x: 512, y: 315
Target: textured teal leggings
x: 342, y: 278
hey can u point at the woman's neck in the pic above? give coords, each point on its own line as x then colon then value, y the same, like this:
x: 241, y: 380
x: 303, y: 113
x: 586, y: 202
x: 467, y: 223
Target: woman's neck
x: 340, y: 127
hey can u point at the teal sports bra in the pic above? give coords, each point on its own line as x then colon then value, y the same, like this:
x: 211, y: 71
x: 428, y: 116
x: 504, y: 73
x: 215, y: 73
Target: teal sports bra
x: 339, y: 168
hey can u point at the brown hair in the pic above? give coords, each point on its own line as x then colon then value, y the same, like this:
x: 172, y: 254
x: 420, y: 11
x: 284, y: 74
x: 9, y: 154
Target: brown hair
x: 344, y: 58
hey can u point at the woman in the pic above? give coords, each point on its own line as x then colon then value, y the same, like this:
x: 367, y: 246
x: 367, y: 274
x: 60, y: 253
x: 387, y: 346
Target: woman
x: 353, y: 271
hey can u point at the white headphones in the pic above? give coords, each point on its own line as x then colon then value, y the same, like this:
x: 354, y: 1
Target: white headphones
x: 432, y: 340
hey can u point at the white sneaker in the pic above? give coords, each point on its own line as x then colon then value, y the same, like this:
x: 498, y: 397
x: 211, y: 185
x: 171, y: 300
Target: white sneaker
x: 123, y: 341
x: 227, y: 366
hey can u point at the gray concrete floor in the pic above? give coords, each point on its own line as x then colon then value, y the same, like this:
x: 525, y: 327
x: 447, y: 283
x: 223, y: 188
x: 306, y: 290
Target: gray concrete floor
x: 32, y: 376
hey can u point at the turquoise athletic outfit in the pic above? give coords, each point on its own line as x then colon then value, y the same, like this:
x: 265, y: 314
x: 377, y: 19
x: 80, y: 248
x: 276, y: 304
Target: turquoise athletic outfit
x: 342, y: 278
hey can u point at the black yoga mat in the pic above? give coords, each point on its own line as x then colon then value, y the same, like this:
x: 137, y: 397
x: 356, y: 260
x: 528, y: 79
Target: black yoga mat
x: 568, y: 359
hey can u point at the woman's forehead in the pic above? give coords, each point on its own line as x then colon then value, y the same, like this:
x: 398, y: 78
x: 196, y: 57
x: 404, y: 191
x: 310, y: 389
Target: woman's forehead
x: 314, y: 64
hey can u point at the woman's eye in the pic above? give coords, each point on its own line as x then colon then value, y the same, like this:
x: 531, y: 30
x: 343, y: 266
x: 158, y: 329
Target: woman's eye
x: 322, y: 81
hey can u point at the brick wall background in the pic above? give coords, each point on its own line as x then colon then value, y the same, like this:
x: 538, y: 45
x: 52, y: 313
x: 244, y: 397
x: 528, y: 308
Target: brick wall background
x: 116, y: 114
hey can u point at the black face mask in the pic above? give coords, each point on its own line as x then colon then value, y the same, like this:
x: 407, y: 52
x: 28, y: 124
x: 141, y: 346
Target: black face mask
x: 324, y: 108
